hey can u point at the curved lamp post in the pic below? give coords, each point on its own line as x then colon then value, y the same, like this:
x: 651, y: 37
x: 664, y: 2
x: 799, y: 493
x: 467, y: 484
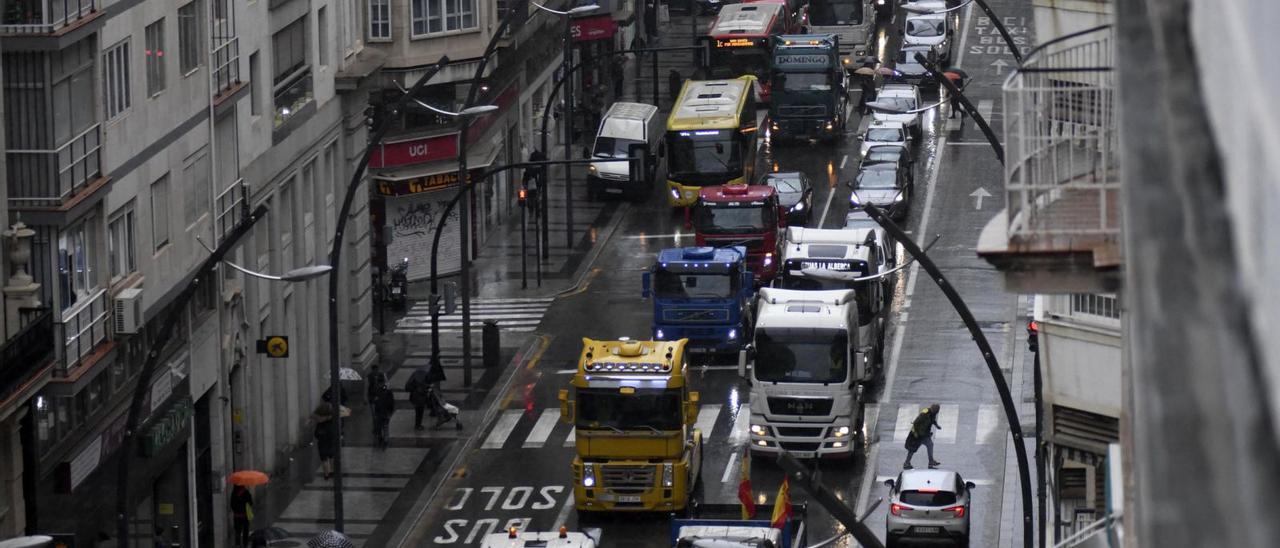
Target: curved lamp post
x: 301, y: 274
x: 995, y: 21
x: 993, y: 367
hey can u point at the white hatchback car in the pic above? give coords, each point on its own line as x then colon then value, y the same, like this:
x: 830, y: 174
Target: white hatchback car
x: 886, y: 133
x: 900, y: 98
x: 933, y: 30
x: 928, y: 504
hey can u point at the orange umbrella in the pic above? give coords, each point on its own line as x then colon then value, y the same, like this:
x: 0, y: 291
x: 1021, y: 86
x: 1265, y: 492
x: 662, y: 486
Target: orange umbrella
x: 248, y: 478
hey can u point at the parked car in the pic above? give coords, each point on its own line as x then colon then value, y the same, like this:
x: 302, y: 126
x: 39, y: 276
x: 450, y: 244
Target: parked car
x: 900, y: 98
x: 886, y: 187
x: 795, y: 195
x: 885, y: 133
x: 928, y: 504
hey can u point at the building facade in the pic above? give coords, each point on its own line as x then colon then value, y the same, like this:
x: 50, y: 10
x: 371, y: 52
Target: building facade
x: 147, y: 131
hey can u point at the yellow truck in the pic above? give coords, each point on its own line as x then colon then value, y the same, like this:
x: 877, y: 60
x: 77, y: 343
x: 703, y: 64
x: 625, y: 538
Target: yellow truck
x: 633, y: 414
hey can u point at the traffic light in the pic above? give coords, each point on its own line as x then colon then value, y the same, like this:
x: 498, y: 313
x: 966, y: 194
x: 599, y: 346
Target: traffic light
x: 1033, y: 336
x: 522, y: 195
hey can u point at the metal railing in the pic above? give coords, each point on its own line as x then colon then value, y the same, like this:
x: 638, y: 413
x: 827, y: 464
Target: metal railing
x: 1088, y: 308
x: 1062, y: 177
x: 226, y: 64
x: 27, y: 351
x: 231, y: 207
x: 48, y: 177
x: 1097, y: 533
x: 82, y: 328
x: 43, y: 16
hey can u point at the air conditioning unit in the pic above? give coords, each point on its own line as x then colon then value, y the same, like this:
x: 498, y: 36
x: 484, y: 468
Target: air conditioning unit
x: 128, y: 311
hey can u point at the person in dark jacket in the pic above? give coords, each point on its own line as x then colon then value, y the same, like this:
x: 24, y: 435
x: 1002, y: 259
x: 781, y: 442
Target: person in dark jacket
x: 384, y: 404
x: 419, y: 391
x: 922, y: 434
x: 327, y: 435
x: 674, y: 82
x: 616, y: 74
x: 241, y: 507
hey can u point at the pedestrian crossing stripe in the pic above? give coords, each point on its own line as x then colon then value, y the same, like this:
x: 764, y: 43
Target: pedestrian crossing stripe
x: 981, y: 424
x: 513, y: 314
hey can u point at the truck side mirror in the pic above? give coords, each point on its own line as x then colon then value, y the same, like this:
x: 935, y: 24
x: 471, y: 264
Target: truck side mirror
x: 745, y: 355
x: 645, y: 281
x: 566, y: 407
x: 691, y: 408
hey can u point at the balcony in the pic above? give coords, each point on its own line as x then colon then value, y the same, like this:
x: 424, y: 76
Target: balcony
x: 82, y: 329
x: 50, y: 178
x: 1060, y: 230
x: 1100, y: 533
x: 44, y: 16
x: 1080, y: 351
x: 226, y: 68
x: 25, y: 357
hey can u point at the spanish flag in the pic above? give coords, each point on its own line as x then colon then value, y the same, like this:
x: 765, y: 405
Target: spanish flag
x: 782, y: 506
x: 744, y: 487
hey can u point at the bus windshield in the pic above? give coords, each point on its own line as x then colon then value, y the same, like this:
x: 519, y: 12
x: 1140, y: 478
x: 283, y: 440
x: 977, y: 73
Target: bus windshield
x: 603, y: 409
x: 732, y: 62
x: 801, y: 355
x: 712, y: 218
x: 670, y: 285
x: 702, y: 153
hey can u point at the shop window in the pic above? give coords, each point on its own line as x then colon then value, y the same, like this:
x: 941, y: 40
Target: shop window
x: 76, y: 275
x: 291, y: 80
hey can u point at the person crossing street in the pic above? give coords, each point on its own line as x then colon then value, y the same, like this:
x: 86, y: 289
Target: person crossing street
x: 922, y: 434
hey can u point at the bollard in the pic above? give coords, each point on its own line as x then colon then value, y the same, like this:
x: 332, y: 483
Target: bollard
x: 490, y: 342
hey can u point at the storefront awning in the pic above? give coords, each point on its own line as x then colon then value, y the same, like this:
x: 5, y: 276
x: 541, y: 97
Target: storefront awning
x: 431, y: 176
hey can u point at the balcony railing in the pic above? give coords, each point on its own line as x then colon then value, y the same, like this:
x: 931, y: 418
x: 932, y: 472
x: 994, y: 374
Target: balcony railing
x: 1062, y: 176
x: 27, y: 352
x: 1098, y: 533
x: 1088, y: 308
x: 82, y: 328
x: 226, y: 64
x: 49, y: 177
x: 43, y: 16
x: 231, y: 208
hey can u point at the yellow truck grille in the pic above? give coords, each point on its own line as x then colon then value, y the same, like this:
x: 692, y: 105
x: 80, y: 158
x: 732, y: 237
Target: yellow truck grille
x: 628, y: 480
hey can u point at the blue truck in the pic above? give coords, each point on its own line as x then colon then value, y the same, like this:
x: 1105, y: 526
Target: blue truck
x: 810, y: 88
x: 702, y: 294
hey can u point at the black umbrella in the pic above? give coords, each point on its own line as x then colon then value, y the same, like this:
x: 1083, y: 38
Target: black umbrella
x: 330, y: 539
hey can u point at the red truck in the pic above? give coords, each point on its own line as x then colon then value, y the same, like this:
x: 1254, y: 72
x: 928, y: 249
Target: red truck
x: 746, y: 215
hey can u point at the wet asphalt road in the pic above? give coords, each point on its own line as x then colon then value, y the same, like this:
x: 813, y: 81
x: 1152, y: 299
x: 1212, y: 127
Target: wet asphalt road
x: 518, y: 472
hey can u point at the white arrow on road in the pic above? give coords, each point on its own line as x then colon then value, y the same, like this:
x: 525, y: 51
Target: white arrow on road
x: 979, y: 195
x: 999, y: 64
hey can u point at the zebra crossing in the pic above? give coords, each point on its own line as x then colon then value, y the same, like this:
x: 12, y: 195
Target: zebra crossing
x: 515, y: 314
x: 968, y: 423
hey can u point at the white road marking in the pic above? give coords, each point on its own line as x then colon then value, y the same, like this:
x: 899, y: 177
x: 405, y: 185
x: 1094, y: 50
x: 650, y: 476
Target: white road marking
x: 502, y: 429
x: 870, y: 414
x: 566, y: 371
x: 542, y: 429
x: 740, y: 424
x: 729, y: 467
x: 572, y: 439
x: 985, y: 107
x: 906, y: 414
x: 564, y: 512
x: 948, y: 419
x: 843, y: 159
x: 823, y: 218
x: 988, y: 424
x: 898, y: 336
x: 707, y: 419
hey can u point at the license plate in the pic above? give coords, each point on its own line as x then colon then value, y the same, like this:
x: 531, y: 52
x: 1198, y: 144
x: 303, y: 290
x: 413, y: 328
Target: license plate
x: 619, y: 498
x: 613, y: 190
x: 927, y: 530
x: 802, y: 454
x: 395, y: 291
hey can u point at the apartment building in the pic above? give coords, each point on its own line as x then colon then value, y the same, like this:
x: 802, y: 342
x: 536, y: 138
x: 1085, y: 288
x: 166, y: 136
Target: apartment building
x: 139, y: 132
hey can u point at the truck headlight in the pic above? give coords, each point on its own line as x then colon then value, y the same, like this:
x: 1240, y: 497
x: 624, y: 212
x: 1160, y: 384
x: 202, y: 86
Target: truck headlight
x: 758, y: 429
x: 668, y: 474
x: 659, y: 335
x: 592, y: 169
x: 768, y: 259
x: 841, y: 432
x: 829, y: 126
x: 733, y: 334
x: 675, y: 194
x: 588, y: 475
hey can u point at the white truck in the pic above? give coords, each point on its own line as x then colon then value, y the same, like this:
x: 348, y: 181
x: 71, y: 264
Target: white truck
x: 627, y: 130
x: 807, y: 374
x: 853, y: 21
x: 818, y: 259
x: 514, y: 538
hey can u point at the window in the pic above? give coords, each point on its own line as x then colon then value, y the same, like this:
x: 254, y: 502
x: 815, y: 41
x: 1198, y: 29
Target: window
x: 160, y: 212
x: 432, y: 16
x: 120, y: 244
x: 155, y: 58
x: 1098, y: 305
x: 189, y: 36
x: 291, y: 76
x: 322, y: 32
x: 380, y: 19
x: 115, y: 79
x: 255, y: 77
x: 196, y: 198
x: 76, y: 277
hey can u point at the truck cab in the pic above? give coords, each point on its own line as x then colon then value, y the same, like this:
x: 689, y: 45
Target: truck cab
x: 702, y: 294
x: 633, y: 415
x: 807, y: 373
x: 746, y: 215
x: 720, y: 526
x: 818, y: 259
x: 810, y: 89
x: 563, y: 538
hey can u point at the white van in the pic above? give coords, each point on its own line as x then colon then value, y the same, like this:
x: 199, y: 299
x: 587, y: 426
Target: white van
x: 625, y: 127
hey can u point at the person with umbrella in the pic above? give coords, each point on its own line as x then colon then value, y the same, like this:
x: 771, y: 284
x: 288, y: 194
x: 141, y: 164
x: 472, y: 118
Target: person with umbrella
x: 384, y: 404
x: 961, y: 80
x: 866, y: 80
x: 419, y: 388
x: 241, y: 513
x: 327, y: 435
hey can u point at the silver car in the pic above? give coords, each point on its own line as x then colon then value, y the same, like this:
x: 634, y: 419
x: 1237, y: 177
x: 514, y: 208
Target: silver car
x: 928, y: 505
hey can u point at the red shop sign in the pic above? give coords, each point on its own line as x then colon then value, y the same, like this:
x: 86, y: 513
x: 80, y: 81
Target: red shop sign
x: 589, y: 29
x: 416, y: 151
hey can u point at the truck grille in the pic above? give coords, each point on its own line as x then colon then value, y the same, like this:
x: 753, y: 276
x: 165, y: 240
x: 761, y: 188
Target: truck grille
x: 803, y: 110
x: 799, y: 446
x: 695, y: 315
x: 797, y: 431
x: 800, y: 406
x: 753, y: 244
x: 628, y: 480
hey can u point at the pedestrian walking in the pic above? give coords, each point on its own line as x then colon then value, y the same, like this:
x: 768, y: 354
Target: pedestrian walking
x: 674, y: 82
x: 327, y: 435
x: 241, y: 514
x: 868, y: 86
x: 922, y: 434
x: 419, y: 393
x: 384, y: 404
x: 616, y: 74
x: 375, y: 379
x: 342, y: 395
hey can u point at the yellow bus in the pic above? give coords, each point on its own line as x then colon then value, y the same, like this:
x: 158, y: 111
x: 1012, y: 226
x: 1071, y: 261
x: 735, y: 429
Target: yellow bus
x: 711, y: 137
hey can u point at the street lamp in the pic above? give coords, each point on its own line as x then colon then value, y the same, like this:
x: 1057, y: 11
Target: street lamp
x: 995, y: 21
x: 912, y: 8
x: 335, y: 259
x: 295, y: 275
x: 984, y: 347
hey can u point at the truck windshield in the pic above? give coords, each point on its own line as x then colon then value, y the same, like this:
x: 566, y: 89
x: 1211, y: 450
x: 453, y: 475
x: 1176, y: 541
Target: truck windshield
x: 612, y: 147
x: 803, y: 81
x: 801, y: 355
x: 670, y: 285
x: 699, y: 154
x: 710, y: 218
x: 835, y: 12
x: 605, y: 408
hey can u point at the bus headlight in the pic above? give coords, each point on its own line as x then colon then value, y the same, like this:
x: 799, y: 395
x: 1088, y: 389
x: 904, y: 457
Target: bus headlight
x: 668, y: 474
x: 841, y: 432
x: 588, y: 475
